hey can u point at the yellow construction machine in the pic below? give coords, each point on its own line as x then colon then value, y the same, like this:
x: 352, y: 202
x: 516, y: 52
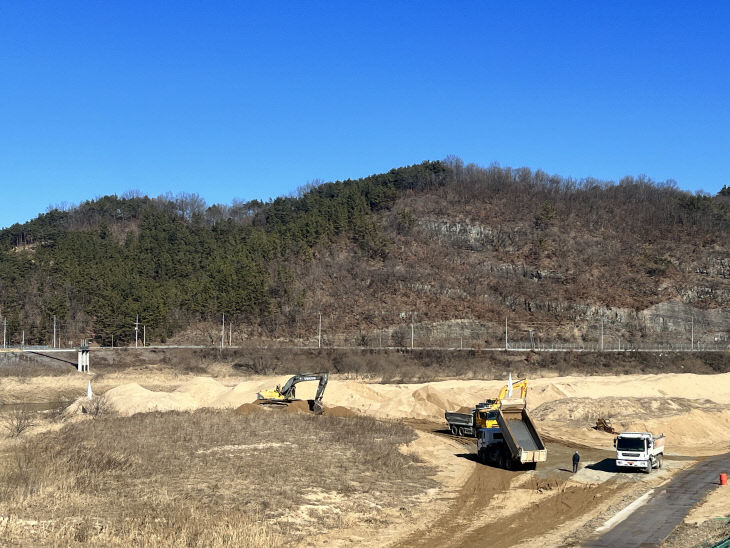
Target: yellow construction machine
x: 286, y: 394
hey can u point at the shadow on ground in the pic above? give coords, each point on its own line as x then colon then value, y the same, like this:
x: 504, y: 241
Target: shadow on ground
x: 468, y: 456
x: 604, y: 465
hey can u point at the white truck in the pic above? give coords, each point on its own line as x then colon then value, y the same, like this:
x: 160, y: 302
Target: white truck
x: 642, y: 450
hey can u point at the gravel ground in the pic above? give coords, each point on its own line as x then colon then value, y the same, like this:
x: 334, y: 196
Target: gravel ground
x: 702, y: 535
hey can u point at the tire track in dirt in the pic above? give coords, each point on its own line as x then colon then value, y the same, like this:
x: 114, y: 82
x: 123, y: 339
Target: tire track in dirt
x: 467, y: 523
x: 471, y: 503
x: 567, y: 504
x: 460, y: 525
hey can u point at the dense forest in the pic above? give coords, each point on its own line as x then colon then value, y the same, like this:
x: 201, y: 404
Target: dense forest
x: 449, y: 240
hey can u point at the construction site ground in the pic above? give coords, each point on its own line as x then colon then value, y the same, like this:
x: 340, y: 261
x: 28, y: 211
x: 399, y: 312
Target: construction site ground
x: 473, y: 504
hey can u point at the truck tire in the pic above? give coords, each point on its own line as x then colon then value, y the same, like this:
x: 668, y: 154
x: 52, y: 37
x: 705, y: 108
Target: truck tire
x: 647, y: 470
x: 461, y: 431
x: 454, y: 431
x: 505, y: 461
x: 659, y: 460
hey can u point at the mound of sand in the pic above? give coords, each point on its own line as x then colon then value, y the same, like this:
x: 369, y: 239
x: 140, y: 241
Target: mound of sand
x: 339, y: 411
x: 587, y: 410
x: 694, y: 410
x: 249, y: 409
x: 203, y: 390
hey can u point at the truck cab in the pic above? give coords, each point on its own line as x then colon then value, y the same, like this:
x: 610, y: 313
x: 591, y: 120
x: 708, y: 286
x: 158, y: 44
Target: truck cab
x: 641, y: 450
x: 491, y: 448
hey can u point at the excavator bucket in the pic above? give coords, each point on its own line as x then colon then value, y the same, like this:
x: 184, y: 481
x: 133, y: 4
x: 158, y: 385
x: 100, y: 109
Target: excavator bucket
x: 316, y: 407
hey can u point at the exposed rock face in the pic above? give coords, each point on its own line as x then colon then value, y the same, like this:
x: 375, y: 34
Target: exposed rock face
x: 711, y: 324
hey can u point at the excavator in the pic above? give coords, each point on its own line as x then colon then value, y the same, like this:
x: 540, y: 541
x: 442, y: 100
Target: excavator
x: 287, y: 394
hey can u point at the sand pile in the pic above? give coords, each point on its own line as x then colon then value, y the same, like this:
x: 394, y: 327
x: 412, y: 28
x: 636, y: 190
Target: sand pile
x: 249, y: 409
x: 693, y: 409
x: 582, y: 411
x: 129, y: 399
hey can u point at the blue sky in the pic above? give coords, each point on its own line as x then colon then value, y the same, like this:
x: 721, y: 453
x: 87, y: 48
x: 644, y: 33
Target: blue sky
x: 251, y: 100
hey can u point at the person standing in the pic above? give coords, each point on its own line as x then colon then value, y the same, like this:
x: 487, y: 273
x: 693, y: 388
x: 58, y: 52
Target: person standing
x: 576, y: 460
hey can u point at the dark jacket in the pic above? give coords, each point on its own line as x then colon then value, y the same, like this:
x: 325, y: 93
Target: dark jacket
x: 576, y: 458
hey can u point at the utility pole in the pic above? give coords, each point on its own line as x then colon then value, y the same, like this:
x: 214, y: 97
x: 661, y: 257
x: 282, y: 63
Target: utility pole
x: 223, y: 331
x: 144, y: 336
x: 5, y: 330
x: 319, y: 333
x: 230, y: 334
x: 22, y: 340
x: 136, y: 331
x: 506, y: 344
x: 693, y: 332
x: 411, y: 330
x: 54, y: 331
x: 601, y: 334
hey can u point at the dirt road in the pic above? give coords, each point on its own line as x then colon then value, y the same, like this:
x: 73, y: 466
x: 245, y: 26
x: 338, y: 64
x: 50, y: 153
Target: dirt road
x: 508, y: 508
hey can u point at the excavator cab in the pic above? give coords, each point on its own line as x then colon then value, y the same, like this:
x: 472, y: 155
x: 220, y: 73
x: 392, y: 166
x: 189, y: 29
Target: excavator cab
x: 286, y: 394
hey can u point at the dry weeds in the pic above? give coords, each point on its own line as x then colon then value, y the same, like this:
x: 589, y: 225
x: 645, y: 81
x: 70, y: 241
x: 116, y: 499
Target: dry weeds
x: 209, y: 478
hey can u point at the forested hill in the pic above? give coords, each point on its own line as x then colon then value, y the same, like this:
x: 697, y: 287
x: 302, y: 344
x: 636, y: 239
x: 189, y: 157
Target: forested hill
x: 437, y: 243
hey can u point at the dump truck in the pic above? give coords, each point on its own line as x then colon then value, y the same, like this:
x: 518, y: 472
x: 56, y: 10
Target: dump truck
x: 515, y: 443
x: 642, y: 450
x: 483, y: 415
x: 287, y: 394
x: 468, y: 424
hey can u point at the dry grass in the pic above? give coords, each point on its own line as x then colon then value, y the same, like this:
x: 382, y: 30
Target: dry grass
x: 29, y: 365
x: 414, y: 366
x: 209, y: 478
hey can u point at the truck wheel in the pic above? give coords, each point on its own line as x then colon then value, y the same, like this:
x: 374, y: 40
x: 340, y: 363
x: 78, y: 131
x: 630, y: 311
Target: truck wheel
x: 659, y: 460
x: 647, y: 470
x: 454, y: 431
x: 504, y: 460
x: 461, y: 431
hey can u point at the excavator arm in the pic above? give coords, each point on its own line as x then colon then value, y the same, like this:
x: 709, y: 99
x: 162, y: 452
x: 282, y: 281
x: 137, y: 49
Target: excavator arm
x: 288, y: 389
x: 286, y: 394
x: 519, y: 385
